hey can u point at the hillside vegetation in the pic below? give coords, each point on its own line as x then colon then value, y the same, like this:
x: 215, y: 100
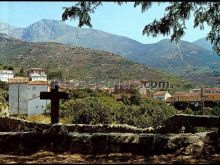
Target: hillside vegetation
x: 78, y: 63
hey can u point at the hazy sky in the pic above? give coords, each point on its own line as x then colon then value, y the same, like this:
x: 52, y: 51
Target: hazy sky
x: 122, y: 20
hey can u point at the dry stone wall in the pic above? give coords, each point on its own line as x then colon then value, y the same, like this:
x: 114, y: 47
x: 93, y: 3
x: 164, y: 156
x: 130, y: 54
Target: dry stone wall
x: 104, y: 143
x: 24, y: 137
x: 15, y: 125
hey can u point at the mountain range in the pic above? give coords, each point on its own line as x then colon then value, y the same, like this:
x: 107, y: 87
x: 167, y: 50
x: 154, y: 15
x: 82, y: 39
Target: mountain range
x: 186, y: 59
x: 79, y: 63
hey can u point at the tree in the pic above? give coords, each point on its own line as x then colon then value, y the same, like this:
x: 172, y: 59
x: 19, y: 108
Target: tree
x: 21, y: 73
x: 135, y: 97
x: 173, y: 22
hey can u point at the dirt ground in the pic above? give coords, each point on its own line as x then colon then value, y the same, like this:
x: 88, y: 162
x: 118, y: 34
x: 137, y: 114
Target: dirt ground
x: 45, y: 157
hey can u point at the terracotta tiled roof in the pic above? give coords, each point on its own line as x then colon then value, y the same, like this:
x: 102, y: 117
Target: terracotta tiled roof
x: 18, y: 80
x: 160, y: 93
x: 38, y: 83
x: 183, y: 94
x: 211, y: 89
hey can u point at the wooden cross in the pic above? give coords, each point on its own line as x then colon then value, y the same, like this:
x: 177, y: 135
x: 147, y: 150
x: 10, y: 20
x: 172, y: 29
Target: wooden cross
x: 54, y: 95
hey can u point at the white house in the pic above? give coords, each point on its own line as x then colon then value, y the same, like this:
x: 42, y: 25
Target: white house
x: 161, y: 95
x: 37, y: 74
x: 24, y: 96
x: 5, y: 75
x: 35, y: 104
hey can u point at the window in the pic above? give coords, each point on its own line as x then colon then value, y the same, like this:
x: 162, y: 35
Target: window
x: 42, y: 106
x: 33, y: 88
x: 36, y: 106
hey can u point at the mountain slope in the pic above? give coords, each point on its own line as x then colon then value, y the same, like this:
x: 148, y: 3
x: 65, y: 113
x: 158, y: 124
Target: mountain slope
x: 77, y: 62
x: 57, y: 31
x: 180, y: 58
x: 202, y: 42
x: 6, y: 28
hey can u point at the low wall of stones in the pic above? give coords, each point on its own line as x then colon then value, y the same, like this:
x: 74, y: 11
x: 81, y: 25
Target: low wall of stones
x: 176, y: 123
x: 104, y: 143
x: 172, y: 125
x: 19, y: 125
x: 19, y: 136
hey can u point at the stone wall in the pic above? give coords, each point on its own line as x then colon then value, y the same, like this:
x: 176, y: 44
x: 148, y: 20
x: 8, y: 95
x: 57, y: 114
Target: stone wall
x: 104, y: 143
x: 176, y: 123
x: 172, y: 125
x: 15, y: 125
x: 25, y: 137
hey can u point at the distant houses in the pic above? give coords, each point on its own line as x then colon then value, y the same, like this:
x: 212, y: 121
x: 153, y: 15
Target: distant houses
x: 125, y: 89
x: 5, y: 75
x: 24, y: 93
x: 37, y: 74
x: 162, y: 95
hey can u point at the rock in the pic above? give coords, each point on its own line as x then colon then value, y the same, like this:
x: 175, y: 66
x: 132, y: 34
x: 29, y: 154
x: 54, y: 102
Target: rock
x: 195, y: 149
x: 80, y: 143
x: 150, y: 129
x: 56, y: 129
x: 175, y: 123
x: 209, y: 150
x: 190, y: 138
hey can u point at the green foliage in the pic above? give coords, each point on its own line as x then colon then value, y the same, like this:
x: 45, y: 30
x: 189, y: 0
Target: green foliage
x: 188, y: 111
x: 94, y: 107
x: 216, y: 111
x: 6, y: 67
x: 135, y: 97
x: 21, y: 73
x: 3, y: 85
x: 55, y: 74
x: 158, y: 111
x: 3, y: 96
x: 125, y: 99
x: 172, y: 23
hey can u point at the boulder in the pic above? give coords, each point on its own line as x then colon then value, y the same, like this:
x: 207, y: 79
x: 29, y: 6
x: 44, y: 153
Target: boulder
x: 56, y: 129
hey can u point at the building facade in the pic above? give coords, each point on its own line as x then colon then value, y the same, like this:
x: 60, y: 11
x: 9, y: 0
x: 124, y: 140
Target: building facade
x: 37, y: 74
x: 35, y: 104
x: 5, y: 75
x: 161, y: 95
x: 24, y: 96
x: 18, y: 100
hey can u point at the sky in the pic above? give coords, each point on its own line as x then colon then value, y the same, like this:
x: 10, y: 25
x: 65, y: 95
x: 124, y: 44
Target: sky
x: 122, y: 20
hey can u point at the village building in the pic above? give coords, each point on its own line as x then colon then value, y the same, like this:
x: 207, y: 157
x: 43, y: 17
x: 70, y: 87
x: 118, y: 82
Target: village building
x: 18, y: 100
x: 122, y: 88
x: 211, y: 90
x: 37, y: 74
x: 35, y: 104
x: 24, y: 96
x: 161, y: 95
x: 5, y: 75
x: 197, y: 90
x: 144, y: 92
x: 125, y: 88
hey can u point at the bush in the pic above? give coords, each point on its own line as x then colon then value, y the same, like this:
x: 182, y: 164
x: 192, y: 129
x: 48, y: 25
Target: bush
x: 188, y: 111
x: 86, y: 106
